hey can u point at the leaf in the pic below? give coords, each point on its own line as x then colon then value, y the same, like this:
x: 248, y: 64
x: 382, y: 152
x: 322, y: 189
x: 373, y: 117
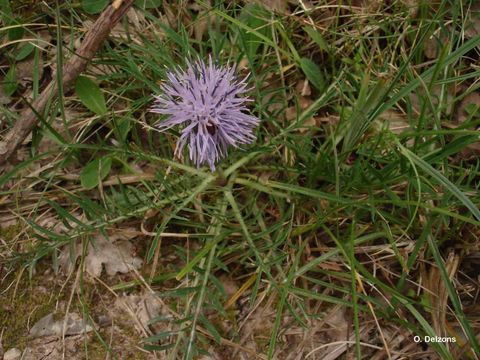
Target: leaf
x: 452, y: 293
x: 24, y: 51
x: 211, y: 329
x: 95, y: 171
x: 147, y: 4
x: 94, y: 6
x: 5, y: 11
x: 313, y: 73
x: 16, y: 33
x: 8, y: 18
x: 468, y: 108
x: 254, y: 16
x: 317, y: 37
x: 471, y: 109
x: 359, y: 121
x: 90, y: 95
x: 122, y: 128
x: 440, y: 178
x: 418, y: 80
x: 114, y: 256
x: 10, y: 81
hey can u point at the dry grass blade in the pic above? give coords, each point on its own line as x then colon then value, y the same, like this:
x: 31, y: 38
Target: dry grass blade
x: 90, y: 45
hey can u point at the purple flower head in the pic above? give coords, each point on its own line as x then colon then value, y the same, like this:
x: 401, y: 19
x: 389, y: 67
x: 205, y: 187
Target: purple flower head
x: 206, y: 100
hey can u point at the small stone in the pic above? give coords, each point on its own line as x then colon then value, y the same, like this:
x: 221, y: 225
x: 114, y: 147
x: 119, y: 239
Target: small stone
x: 50, y: 326
x: 104, y: 321
x: 12, y: 354
x: 3, y: 148
x: 4, y: 99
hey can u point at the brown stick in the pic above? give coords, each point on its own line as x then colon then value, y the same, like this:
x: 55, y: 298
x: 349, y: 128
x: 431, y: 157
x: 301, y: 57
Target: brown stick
x: 94, y: 38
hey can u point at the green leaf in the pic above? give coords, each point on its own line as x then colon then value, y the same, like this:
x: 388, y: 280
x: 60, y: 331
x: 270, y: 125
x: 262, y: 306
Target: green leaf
x: 148, y: 4
x: 211, y: 329
x: 441, y: 179
x: 5, y: 11
x: 24, y: 51
x: 94, y: 6
x: 313, y: 73
x: 418, y: 80
x: 254, y: 16
x: 16, y: 33
x: 10, y: 81
x: 471, y: 109
x: 6, y: 15
x: 452, y: 293
x: 95, y: 171
x: 160, y: 336
x: 121, y: 128
x: 359, y: 121
x: 317, y: 37
x: 90, y: 95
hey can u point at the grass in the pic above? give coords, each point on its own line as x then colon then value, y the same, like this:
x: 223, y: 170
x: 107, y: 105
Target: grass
x: 335, y: 235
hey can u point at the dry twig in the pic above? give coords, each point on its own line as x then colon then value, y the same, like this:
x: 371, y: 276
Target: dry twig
x: 94, y: 38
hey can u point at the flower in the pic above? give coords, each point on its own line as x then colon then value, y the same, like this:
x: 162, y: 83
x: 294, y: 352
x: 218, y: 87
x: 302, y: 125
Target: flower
x: 206, y: 99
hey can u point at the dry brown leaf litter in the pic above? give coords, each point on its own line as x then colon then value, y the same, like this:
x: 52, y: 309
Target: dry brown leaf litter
x: 116, y: 254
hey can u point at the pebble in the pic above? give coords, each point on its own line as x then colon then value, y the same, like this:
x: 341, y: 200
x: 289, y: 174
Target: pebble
x: 12, y: 354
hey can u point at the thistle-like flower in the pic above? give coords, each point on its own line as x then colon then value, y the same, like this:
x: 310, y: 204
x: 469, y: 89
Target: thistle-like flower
x: 206, y: 99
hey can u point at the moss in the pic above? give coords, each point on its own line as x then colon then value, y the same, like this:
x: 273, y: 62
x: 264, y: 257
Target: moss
x: 8, y: 233
x: 22, y: 305
x: 122, y: 348
x: 21, y: 310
